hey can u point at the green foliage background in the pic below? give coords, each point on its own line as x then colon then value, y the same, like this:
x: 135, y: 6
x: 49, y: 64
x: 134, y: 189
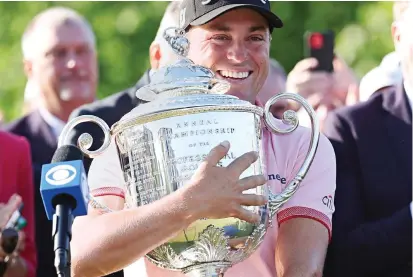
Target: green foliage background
x: 125, y: 30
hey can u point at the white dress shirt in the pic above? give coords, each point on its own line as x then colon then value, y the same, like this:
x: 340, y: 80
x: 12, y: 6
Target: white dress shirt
x: 54, y: 123
x: 409, y: 93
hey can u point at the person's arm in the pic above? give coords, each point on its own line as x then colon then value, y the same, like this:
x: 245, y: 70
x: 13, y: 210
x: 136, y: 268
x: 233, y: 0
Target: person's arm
x: 104, y: 243
x: 123, y: 235
x: 305, y: 220
x: 301, y: 248
x: 358, y: 245
x: 24, y: 265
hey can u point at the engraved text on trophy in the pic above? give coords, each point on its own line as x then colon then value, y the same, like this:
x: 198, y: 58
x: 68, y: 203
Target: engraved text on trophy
x: 197, y: 137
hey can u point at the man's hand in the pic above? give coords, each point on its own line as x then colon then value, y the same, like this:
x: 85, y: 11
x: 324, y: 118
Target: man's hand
x: 344, y: 80
x: 312, y: 85
x: 323, y: 91
x: 6, y: 210
x: 301, y: 248
x: 217, y: 192
x: 322, y: 88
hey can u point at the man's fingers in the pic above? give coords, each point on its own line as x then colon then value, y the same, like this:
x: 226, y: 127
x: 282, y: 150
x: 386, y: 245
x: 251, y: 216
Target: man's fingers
x: 241, y: 163
x: 7, y: 210
x: 253, y: 200
x: 248, y: 216
x: 217, y: 153
x: 315, y: 100
x: 251, y: 182
x: 305, y: 64
x: 14, y: 202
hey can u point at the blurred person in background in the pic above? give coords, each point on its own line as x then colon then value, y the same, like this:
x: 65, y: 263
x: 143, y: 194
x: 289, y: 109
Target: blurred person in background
x: 60, y: 62
x: 388, y: 74
x: 16, y: 188
x: 372, y: 234
x: 31, y: 97
x: 324, y: 91
x: 112, y: 108
x: 379, y: 79
x: 274, y: 84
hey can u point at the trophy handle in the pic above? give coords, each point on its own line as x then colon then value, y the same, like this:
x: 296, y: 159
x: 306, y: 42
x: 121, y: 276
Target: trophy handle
x: 85, y: 140
x: 290, y: 117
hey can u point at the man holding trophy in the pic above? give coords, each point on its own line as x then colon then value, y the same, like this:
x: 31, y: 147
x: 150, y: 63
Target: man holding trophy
x: 164, y: 204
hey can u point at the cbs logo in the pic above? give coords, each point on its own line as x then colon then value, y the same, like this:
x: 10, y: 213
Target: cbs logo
x: 60, y: 175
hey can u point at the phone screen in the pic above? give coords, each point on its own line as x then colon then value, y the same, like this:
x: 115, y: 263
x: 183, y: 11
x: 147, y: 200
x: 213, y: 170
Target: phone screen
x: 320, y: 45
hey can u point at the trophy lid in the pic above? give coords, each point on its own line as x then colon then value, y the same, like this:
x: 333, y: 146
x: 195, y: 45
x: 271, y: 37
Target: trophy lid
x: 198, y: 101
x: 183, y: 77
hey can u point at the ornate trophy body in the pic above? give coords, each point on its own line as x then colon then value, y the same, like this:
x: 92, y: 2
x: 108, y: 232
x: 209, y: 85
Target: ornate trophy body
x: 161, y: 143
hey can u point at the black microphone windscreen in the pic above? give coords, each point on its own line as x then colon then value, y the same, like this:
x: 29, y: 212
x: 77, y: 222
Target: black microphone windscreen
x: 67, y: 153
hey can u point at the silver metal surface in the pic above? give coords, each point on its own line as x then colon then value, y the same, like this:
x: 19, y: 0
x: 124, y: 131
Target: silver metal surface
x: 291, y: 118
x: 85, y: 140
x: 182, y: 78
x: 161, y: 143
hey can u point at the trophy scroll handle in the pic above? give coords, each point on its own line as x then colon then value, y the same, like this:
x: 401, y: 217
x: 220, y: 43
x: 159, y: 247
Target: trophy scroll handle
x: 84, y: 142
x: 276, y: 201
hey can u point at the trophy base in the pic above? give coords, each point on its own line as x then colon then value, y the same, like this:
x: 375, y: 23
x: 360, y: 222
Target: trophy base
x: 216, y: 269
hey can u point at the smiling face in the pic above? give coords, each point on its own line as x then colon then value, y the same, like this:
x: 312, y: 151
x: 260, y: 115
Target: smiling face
x: 236, y: 47
x: 64, y: 65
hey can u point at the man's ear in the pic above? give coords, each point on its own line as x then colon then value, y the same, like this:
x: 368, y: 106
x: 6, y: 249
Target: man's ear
x: 155, y: 55
x: 28, y: 68
x: 395, y: 32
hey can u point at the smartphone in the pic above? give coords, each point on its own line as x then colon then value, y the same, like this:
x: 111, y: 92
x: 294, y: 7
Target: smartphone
x: 320, y: 45
x: 17, y: 221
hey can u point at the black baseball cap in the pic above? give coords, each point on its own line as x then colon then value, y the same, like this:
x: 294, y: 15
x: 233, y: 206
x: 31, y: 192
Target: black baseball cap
x: 199, y: 12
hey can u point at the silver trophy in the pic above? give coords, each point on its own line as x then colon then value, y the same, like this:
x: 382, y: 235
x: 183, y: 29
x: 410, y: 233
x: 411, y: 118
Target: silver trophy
x: 161, y: 143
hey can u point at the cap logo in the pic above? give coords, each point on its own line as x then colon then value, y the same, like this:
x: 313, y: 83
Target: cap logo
x: 182, y: 17
x: 264, y: 1
x: 206, y: 2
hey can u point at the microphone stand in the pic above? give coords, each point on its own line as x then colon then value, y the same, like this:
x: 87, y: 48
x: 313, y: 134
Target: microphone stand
x: 62, y: 233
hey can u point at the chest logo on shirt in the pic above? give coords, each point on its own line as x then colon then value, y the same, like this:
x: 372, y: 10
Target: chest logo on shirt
x: 328, y: 201
x: 277, y: 177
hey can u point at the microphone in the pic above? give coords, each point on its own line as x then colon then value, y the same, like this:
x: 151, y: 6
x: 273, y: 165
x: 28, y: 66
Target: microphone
x: 65, y: 194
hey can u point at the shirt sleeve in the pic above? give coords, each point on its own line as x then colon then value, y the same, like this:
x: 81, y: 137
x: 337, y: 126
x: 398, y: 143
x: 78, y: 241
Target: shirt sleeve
x: 314, y: 198
x: 105, y: 174
x: 26, y: 191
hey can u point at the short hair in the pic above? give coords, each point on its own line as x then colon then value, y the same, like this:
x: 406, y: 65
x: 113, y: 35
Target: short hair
x: 61, y: 15
x: 169, y: 19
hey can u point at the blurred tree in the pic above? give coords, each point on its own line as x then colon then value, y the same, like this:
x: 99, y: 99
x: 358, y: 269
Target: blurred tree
x: 125, y: 30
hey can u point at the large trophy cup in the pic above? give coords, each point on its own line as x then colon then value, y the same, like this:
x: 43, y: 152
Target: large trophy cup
x: 161, y: 143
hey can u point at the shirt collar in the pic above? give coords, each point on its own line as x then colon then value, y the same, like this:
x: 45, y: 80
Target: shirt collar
x: 409, y: 92
x: 54, y: 123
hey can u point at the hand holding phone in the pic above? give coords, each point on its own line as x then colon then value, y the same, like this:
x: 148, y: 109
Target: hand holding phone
x: 320, y: 45
x: 17, y: 221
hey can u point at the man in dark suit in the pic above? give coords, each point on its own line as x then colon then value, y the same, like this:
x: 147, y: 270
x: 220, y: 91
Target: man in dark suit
x: 60, y: 61
x: 372, y: 224
x: 112, y: 108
